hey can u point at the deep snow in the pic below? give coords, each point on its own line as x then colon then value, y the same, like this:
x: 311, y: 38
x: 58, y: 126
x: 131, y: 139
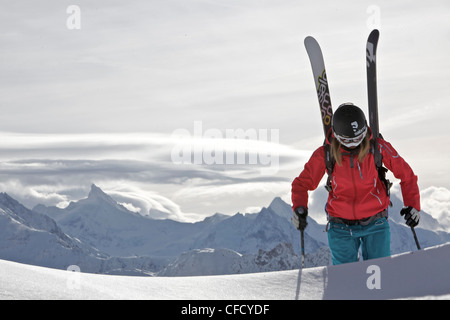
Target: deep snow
x: 421, y: 274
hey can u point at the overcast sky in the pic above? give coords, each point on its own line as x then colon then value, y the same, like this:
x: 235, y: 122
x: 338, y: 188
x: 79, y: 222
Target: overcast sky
x: 146, y: 99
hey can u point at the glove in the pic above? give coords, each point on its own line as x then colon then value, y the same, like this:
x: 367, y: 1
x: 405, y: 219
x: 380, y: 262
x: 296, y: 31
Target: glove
x: 299, y: 218
x: 412, y: 216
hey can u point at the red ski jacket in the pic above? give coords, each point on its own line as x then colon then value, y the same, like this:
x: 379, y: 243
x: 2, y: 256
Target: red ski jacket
x: 357, y: 191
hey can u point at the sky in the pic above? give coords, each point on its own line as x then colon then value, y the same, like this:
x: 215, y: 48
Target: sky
x: 183, y: 108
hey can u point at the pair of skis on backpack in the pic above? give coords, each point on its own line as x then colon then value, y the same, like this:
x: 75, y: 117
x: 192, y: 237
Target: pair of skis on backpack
x: 321, y: 82
x: 326, y: 109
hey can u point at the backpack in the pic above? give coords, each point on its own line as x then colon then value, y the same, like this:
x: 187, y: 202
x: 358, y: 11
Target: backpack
x: 330, y: 162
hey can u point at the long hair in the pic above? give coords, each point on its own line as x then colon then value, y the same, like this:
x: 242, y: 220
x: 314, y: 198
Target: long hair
x: 363, y: 149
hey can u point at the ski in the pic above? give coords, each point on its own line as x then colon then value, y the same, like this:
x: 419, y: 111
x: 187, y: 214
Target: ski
x: 371, y: 50
x: 326, y: 109
x: 321, y: 82
x: 323, y: 94
x: 372, y: 94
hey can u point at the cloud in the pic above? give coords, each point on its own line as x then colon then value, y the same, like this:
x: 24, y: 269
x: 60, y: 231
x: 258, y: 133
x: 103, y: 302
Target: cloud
x: 145, y: 202
x: 436, y: 201
x: 212, y: 192
x: 140, y: 171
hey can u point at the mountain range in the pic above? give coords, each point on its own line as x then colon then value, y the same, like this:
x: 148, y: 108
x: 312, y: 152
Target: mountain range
x: 99, y: 235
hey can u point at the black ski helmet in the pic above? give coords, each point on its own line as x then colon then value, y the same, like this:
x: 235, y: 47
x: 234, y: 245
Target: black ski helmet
x: 349, y: 125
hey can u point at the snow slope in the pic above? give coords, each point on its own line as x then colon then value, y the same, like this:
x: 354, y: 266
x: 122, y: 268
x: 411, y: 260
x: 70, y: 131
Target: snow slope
x: 421, y: 274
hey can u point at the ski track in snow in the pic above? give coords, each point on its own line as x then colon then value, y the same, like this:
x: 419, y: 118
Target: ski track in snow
x: 422, y: 275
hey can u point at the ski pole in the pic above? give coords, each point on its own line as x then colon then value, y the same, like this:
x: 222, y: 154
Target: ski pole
x: 415, y: 238
x: 302, y: 241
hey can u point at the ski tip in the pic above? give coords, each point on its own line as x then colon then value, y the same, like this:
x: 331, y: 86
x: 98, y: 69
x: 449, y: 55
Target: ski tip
x: 373, y: 37
x: 375, y: 33
x: 309, y: 39
x: 310, y: 42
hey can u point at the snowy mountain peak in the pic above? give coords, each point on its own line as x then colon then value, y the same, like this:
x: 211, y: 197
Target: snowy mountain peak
x: 216, y: 218
x: 5, y: 199
x: 97, y: 194
x: 21, y: 215
x: 280, y: 207
x: 97, y: 201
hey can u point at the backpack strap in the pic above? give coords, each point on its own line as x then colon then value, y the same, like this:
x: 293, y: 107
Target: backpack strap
x: 378, y: 158
x: 329, y: 163
x: 376, y: 153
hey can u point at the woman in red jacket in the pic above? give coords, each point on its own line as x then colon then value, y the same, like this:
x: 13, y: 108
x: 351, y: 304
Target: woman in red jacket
x: 358, y: 202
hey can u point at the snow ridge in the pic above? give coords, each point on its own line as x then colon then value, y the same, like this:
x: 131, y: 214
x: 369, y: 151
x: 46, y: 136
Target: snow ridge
x: 418, y: 275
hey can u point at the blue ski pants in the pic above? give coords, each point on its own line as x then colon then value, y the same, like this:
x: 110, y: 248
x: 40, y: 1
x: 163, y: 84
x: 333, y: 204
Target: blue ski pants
x: 344, y: 240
